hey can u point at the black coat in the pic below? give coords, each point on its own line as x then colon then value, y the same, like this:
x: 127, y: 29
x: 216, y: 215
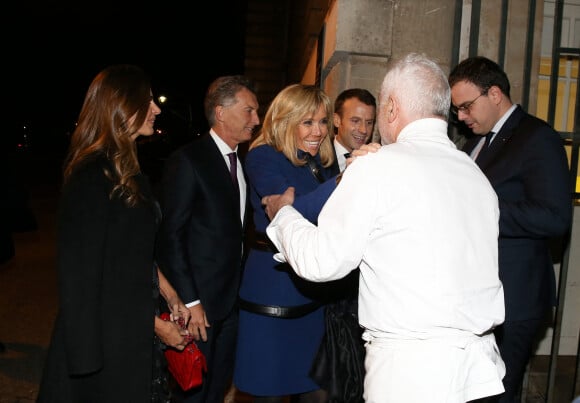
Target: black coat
x: 528, y: 169
x: 101, y: 348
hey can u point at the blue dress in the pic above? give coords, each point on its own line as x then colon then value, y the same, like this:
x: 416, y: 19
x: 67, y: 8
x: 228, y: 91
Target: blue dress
x: 274, y: 355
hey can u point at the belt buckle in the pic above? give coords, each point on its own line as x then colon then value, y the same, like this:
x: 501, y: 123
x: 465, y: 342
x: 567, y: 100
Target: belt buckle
x: 277, y: 310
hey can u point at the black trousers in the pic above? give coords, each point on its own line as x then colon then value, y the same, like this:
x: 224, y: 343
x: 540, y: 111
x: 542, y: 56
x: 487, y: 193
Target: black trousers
x: 516, y: 341
x: 219, y: 351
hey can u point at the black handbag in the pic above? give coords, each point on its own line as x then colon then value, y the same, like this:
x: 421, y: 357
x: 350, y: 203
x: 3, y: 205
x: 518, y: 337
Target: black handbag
x: 339, y: 363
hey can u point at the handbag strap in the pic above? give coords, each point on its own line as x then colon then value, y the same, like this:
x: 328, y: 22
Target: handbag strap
x: 314, y: 167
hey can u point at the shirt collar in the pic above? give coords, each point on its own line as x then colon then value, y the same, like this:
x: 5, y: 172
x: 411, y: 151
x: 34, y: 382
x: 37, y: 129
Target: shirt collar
x: 340, y: 149
x: 497, y: 127
x: 427, y: 128
x: 223, y: 147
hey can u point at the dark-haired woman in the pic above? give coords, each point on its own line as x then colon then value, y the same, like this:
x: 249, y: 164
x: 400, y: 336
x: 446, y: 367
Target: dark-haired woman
x: 106, y: 336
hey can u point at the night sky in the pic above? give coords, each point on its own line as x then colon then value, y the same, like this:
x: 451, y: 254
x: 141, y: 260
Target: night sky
x: 52, y: 50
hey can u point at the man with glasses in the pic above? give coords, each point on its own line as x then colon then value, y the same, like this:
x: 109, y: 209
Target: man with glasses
x: 525, y: 161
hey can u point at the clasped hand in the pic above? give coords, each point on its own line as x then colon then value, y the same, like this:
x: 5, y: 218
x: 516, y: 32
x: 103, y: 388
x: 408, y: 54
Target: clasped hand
x: 273, y: 203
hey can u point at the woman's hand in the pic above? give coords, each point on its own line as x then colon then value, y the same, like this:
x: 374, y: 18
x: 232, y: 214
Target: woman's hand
x: 171, y: 333
x: 273, y: 203
x: 179, y: 312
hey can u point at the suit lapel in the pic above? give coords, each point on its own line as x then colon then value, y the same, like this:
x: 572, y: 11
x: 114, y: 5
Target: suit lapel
x: 470, y: 144
x: 501, y: 138
x: 214, y: 162
x: 334, y: 167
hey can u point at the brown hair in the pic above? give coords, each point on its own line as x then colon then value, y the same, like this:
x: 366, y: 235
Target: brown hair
x: 104, y: 126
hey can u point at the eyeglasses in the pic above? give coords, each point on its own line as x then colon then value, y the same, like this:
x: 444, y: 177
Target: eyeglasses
x: 466, y: 106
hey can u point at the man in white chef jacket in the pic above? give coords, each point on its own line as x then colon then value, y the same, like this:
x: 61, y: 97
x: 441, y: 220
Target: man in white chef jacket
x: 421, y: 221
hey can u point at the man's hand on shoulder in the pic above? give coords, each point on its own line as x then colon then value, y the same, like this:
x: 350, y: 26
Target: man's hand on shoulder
x: 273, y: 203
x: 363, y: 150
x: 366, y: 148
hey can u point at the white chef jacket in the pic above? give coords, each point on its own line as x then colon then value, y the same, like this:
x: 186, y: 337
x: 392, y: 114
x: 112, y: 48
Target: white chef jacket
x: 420, y: 219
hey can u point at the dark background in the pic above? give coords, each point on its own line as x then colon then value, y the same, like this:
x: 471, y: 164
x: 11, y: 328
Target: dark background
x: 52, y: 51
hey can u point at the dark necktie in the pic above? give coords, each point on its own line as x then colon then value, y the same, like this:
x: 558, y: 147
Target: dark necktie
x: 485, y: 146
x: 234, y: 171
x: 346, y: 156
x: 488, y: 137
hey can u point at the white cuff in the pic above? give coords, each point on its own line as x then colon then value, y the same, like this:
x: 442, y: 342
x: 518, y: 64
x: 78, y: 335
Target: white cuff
x: 194, y: 303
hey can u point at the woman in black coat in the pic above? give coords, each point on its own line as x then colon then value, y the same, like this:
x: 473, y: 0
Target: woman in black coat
x: 104, y: 343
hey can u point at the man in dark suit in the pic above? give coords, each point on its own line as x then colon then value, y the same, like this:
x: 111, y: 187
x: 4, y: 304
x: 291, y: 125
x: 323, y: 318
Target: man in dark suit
x: 354, y: 122
x: 525, y: 161
x: 200, y: 241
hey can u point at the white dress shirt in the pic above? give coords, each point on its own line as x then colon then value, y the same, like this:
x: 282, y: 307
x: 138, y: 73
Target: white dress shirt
x: 422, y: 225
x: 340, y: 150
x: 496, y: 128
x: 225, y: 150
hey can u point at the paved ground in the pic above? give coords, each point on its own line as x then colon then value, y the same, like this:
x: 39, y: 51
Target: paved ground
x: 28, y: 300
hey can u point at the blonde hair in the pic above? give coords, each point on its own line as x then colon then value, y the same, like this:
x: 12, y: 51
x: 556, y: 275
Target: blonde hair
x: 287, y: 110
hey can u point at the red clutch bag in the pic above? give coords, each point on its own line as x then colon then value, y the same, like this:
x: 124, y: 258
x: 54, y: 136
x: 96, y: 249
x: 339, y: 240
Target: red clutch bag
x: 188, y: 365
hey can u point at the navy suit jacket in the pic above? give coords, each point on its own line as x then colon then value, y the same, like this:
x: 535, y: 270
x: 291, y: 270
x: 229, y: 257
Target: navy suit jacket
x: 199, y: 246
x: 527, y: 166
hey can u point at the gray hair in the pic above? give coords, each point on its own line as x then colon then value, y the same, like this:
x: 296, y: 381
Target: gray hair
x: 223, y: 91
x: 419, y: 85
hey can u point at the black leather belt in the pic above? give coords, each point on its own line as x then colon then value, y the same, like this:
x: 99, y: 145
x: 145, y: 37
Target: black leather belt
x: 260, y: 241
x: 288, y: 312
